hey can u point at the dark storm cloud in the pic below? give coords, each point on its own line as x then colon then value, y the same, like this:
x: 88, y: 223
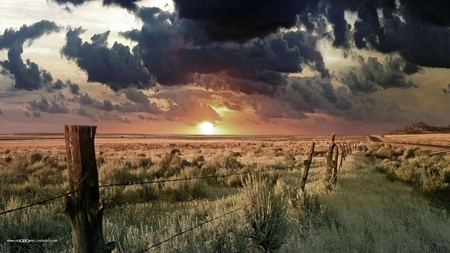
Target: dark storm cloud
x: 177, y: 51
x: 116, y: 66
x: 83, y: 112
x: 26, y: 74
x: 238, y: 20
x: 139, y: 97
x: 275, y: 109
x: 434, y: 11
x: 73, y: 87
x: 310, y: 93
x: 45, y: 106
x: 36, y: 114
x: 418, y: 30
x: 127, y: 4
x: 373, y: 75
x: 139, y: 103
x: 114, y: 117
x: 12, y: 38
x: 341, y: 29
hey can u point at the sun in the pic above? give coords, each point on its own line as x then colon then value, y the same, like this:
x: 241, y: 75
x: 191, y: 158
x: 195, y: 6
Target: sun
x: 206, y: 128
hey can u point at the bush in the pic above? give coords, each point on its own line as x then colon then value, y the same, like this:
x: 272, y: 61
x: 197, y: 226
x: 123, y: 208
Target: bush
x: 172, y: 163
x: 429, y: 175
x: 34, y: 157
x: 19, y: 163
x: 189, y: 190
x: 265, y: 212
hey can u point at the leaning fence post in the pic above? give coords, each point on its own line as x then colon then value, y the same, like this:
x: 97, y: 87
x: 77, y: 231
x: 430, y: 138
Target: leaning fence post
x: 335, y: 164
x: 83, y: 207
x: 329, y: 168
x: 307, y: 164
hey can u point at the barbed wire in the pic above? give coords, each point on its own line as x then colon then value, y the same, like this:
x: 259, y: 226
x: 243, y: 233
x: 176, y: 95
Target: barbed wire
x: 188, y: 230
x: 203, y: 223
x: 141, y: 183
x: 38, y: 203
x: 103, y: 185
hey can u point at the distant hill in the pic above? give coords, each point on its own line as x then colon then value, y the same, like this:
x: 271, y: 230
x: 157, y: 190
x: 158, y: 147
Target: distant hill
x: 422, y: 128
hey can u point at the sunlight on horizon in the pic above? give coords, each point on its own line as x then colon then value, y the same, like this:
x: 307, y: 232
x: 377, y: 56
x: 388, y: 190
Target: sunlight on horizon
x: 206, y: 128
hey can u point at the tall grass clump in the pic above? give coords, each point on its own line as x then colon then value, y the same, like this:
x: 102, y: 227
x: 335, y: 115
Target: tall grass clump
x: 427, y: 174
x: 172, y: 163
x: 36, y: 223
x: 265, y: 212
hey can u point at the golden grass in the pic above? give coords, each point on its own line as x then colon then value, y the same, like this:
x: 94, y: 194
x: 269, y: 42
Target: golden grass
x: 361, y: 214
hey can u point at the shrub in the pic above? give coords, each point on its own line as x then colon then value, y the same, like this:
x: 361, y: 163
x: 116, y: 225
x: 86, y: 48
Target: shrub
x: 145, y: 162
x: 429, y: 175
x: 265, y: 212
x: 140, y: 194
x: 172, y: 163
x: 289, y: 159
x: 189, y: 190
x: 198, y: 161
x: 34, y: 157
x: 19, y: 163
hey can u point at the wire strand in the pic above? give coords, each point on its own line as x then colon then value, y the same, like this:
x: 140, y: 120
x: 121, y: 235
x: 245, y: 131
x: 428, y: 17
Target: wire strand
x: 38, y: 203
x: 188, y: 230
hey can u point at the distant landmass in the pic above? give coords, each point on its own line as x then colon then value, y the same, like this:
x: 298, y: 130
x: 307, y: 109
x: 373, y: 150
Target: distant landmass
x: 422, y: 128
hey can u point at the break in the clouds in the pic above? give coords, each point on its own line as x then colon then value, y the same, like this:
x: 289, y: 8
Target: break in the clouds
x: 27, y: 74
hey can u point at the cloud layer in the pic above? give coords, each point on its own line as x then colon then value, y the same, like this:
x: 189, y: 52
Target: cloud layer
x: 253, y: 50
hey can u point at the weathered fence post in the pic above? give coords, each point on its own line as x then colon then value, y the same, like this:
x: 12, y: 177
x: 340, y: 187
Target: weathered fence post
x: 329, y: 168
x: 307, y: 163
x: 343, y: 154
x: 83, y: 207
x: 335, y: 165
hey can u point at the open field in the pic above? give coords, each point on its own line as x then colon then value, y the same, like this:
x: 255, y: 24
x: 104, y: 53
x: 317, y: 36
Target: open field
x: 360, y: 214
x: 423, y: 139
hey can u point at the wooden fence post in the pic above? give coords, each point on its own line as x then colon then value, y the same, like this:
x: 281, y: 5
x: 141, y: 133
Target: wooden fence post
x: 83, y: 207
x: 343, y: 154
x: 329, y: 168
x: 307, y: 163
x: 335, y: 164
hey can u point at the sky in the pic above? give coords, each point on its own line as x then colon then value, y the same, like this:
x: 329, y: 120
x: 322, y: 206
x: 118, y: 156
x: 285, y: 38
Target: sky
x: 292, y: 67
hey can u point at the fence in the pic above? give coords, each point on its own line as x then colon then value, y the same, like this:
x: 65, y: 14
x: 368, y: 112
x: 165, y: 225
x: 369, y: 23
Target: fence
x: 83, y: 208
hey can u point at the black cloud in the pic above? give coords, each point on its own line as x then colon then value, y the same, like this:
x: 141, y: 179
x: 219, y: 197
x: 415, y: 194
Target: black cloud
x: 27, y: 75
x: 139, y: 97
x: 373, y: 75
x: 116, y: 66
x: 240, y: 20
x: 177, y: 51
x: 45, y: 106
x: 127, y: 4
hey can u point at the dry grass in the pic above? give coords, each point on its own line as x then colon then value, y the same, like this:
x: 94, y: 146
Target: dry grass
x: 358, y: 216
x: 424, y: 139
